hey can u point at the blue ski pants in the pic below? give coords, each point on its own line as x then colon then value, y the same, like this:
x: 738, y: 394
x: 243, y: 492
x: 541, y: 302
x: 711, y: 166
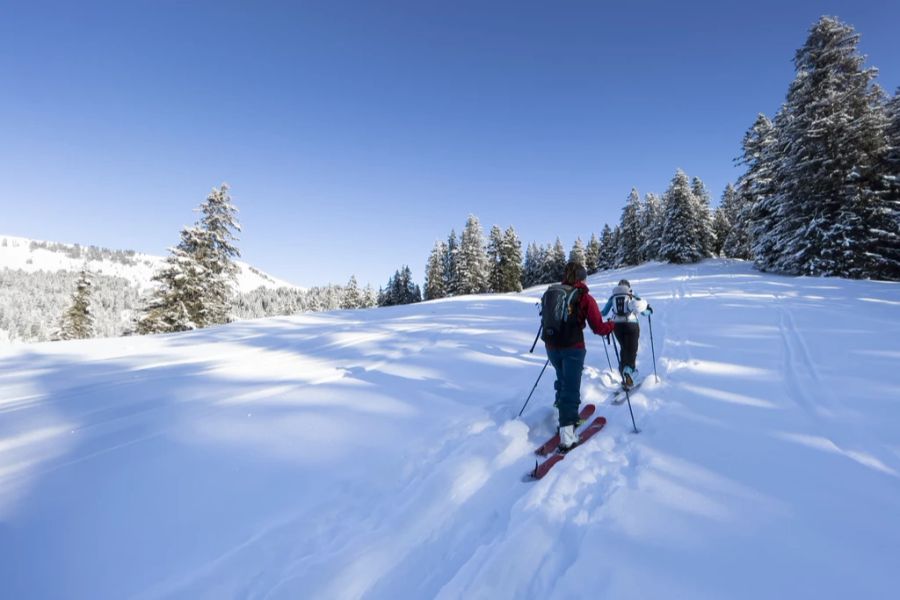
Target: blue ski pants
x: 568, y: 363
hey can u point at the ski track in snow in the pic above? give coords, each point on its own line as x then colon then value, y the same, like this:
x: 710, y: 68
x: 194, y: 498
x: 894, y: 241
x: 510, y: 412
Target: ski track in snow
x: 376, y: 454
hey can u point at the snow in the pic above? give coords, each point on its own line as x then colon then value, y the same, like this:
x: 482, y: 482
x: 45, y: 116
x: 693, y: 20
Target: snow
x: 376, y: 454
x: 17, y: 253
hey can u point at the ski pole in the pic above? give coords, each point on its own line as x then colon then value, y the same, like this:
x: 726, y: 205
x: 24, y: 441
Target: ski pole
x: 618, y: 360
x: 627, y: 395
x: 633, y: 424
x: 605, y: 349
x: 652, y: 349
x: 541, y: 327
x: 535, y: 387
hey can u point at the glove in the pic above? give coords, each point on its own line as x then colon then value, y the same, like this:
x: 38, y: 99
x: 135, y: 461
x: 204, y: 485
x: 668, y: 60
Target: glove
x: 649, y: 310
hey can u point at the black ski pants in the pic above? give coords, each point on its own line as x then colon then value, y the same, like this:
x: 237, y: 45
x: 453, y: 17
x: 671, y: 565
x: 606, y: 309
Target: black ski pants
x: 627, y: 334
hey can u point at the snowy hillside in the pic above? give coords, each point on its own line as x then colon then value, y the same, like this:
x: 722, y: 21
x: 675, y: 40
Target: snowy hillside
x: 31, y: 256
x: 376, y: 453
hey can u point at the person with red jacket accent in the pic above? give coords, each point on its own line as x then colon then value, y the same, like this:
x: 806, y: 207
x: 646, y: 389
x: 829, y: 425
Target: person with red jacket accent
x: 567, y: 356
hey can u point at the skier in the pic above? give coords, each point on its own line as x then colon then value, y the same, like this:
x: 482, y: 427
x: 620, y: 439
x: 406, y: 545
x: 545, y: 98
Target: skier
x: 624, y: 308
x: 564, y: 341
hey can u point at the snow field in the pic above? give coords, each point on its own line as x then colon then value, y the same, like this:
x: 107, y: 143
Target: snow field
x: 376, y: 454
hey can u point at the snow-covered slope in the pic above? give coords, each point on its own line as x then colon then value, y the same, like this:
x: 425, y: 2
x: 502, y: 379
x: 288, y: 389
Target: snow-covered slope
x: 376, y: 454
x: 31, y: 255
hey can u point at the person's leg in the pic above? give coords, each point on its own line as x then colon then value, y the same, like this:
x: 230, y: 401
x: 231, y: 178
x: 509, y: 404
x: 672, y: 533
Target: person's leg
x: 555, y: 357
x: 621, y: 333
x: 634, y: 334
x: 631, y: 335
x: 569, y: 395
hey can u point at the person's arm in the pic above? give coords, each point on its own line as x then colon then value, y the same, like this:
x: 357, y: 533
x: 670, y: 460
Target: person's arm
x: 642, y: 306
x: 594, y: 318
x: 607, y: 307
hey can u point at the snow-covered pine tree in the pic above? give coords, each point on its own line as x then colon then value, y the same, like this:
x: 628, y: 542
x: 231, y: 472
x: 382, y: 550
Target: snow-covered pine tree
x: 832, y: 135
x: 351, y: 298
x: 195, y: 283
x: 556, y: 263
x: 472, y: 259
x: 219, y: 222
x: 617, y: 245
x: 725, y: 216
x: 592, y: 255
x: 607, y: 249
x: 384, y: 294
x: 885, y: 243
x: 652, y: 212
x: 577, y: 253
x: 632, y: 230
x: 369, y: 297
x: 176, y: 304
x: 404, y: 290
x: 750, y: 236
x: 391, y: 294
x: 531, y: 270
x: 451, y: 265
x: 546, y: 268
x: 703, y: 216
x: 78, y: 321
x: 495, y: 243
x: 511, y: 261
x: 435, y: 279
x: 681, y: 241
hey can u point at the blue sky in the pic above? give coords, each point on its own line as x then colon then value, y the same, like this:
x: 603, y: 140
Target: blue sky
x: 355, y: 134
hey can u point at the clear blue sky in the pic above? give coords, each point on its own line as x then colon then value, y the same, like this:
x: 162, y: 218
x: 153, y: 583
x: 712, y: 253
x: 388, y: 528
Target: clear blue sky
x: 355, y: 134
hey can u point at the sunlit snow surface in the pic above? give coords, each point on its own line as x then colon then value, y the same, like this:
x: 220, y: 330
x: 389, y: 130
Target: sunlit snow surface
x: 376, y: 454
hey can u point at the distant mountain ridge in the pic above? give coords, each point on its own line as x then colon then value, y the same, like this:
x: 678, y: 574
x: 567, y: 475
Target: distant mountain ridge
x: 35, y: 255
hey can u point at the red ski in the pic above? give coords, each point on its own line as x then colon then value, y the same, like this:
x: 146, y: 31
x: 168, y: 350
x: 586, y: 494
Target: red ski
x: 543, y: 468
x: 551, y: 444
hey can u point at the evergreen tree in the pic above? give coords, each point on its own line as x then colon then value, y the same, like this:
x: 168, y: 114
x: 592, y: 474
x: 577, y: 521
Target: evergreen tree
x: 402, y: 289
x: 216, y: 254
x: 351, y: 298
x: 510, y: 262
x: 632, y: 230
x: 577, y: 253
x: 472, y: 259
x: 384, y: 294
x: 725, y: 216
x: 749, y: 237
x: 607, y: 249
x: 531, y: 270
x: 592, y: 255
x: 494, y: 250
x: 884, y: 246
x: 177, y: 303
x: 369, y: 297
x: 556, y: 263
x: 832, y: 135
x: 435, y: 278
x: 194, y: 286
x: 537, y: 266
x: 78, y: 321
x: 681, y: 241
x: 451, y: 265
x: 703, y: 217
x: 653, y: 226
